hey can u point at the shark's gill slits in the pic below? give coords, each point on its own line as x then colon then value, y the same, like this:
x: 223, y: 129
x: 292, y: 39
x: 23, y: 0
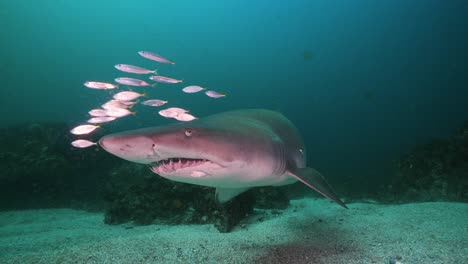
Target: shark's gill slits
x: 281, y: 164
x: 173, y: 164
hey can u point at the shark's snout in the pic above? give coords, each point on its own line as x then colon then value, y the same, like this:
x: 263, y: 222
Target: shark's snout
x: 132, y: 148
x: 110, y: 144
x: 103, y: 142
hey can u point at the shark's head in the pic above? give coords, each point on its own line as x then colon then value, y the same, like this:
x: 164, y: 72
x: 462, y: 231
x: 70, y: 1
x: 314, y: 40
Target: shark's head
x: 187, y: 152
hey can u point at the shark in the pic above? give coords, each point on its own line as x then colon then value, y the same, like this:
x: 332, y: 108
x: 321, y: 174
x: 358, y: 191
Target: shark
x: 231, y: 151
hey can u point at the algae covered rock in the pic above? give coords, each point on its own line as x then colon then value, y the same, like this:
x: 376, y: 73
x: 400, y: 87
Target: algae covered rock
x: 41, y: 169
x: 159, y: 200
x: 435, y: 171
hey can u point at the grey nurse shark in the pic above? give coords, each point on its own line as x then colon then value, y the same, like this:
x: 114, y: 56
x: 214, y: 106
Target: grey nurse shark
x: 231, y: 151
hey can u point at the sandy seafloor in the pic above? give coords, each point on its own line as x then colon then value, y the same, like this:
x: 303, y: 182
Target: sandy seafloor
x: 309, y: 231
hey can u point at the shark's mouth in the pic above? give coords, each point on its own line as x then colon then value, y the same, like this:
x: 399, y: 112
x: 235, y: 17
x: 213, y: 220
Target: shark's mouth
x: 171, y: 165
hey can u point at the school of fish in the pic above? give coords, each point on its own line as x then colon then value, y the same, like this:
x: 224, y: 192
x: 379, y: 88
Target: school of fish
x: 121, y: 103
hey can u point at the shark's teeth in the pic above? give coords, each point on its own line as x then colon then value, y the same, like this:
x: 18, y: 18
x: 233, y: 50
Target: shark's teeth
x: 172, y: 164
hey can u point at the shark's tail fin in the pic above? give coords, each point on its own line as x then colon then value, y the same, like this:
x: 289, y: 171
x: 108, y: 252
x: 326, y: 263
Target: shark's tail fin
x: 316, y: 181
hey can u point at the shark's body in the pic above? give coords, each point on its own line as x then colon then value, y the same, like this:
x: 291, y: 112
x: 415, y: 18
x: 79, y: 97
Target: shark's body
x: 232, y: 151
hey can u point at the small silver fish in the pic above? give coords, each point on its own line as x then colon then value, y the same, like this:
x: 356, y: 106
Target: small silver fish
x: 83, y: 129
x: 131, y: 81
x: 82, y: 143
x: 155, y: 57
x: 101, y: 119
x: 168, y: 113
x: 112, y: 104
x: 134, y: 69
x: 178, y: 110
x: 100, y: 85
x: 128, y: 103
x: 154, y: 102
x: 193, y: 89
x: 97, y: 112
x: 118, y: 112
x: 163, y: 79
x: 214, y: 94
x: 127, y: 96
x: 185, y: 117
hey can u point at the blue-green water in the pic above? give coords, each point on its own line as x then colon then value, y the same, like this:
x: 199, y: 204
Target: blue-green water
x: 364, y: 81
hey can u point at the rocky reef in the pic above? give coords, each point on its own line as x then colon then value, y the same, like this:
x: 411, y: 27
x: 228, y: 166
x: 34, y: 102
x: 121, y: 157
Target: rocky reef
x: 434, y: 172
x: 41, y: 169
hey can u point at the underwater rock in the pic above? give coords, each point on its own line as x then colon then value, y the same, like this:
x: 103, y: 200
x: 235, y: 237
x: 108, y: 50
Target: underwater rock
x: 40, y: 169
x: 435, y: 171
x: 157, y: 200
x: 269, y: 197
x: 231, y: 213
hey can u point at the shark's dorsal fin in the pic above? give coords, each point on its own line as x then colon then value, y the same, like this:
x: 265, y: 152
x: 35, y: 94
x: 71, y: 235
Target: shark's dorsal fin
x: 225, y: 194
x: 316, y: 181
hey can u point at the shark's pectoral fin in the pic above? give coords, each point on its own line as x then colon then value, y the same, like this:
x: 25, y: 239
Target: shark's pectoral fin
x: 225, y: 194
x: 316, y: 181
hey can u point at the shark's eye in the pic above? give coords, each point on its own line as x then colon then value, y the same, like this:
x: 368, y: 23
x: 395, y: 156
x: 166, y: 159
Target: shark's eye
x: 188, y: 132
